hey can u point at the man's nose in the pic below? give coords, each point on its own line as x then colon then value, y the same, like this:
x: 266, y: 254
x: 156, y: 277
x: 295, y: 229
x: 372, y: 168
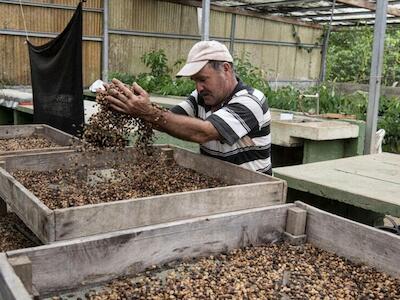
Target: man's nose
x: 199, y: 87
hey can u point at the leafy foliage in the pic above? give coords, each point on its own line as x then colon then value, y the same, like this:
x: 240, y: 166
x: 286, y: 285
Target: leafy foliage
x: 250, y: 74
x: 160, y: 81
x: 124, y: 77
x: 389, y: 120
x: 350, y: 51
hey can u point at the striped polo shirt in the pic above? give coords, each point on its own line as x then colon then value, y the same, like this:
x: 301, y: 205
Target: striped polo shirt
x: 243, y: 122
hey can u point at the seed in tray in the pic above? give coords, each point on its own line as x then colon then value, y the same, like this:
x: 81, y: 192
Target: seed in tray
x: 26, y: 143
x: 14, y: 234
x: 275, y: 271
x: 149, y: 176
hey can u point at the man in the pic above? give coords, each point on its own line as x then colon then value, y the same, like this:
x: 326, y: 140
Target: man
x: 229, y: 120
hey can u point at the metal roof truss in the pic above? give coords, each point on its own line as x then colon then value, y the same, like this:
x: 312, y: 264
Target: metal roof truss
x: 345, y: 12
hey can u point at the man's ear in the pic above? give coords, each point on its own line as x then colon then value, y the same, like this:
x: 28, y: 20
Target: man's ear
x: 227, y: 67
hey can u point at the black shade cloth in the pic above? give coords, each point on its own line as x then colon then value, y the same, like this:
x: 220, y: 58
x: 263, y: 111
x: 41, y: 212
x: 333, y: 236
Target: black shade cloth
x: 56, y: 72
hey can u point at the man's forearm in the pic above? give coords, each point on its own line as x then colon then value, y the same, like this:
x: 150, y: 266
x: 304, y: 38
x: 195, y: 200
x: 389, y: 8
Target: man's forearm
x: 183, y: 127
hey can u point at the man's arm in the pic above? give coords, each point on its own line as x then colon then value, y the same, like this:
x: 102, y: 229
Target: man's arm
x: 138, y: 104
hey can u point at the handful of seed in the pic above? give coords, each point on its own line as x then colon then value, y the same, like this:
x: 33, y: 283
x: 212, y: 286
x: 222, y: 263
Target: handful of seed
x: 111, y: 129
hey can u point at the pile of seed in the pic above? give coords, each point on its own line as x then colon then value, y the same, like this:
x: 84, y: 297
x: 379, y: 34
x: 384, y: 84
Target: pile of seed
x: 111, y: 129
x: 279, y: 271
x: 151, y: 175
x: 26, y: 143
x: 14, y: 234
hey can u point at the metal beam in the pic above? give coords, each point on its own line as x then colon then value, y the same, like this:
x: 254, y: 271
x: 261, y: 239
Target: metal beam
x: 222, y: 39
x: 105, y: 45
x: 244, y: 12
x: 371, y: 6
x: 325, y: 45
x: 318, y: 8
x: 232, y: 35
x: 43, y: 34
x: 328, y: 13
x: 205, y: 20
x: 49, y: 5
x: 375, y: 77
x: 349, y: 19
x: 272, y: 3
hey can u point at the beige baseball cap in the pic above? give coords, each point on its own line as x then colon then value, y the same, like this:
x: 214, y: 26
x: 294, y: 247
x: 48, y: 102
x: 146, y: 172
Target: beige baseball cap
x: 201, y: 53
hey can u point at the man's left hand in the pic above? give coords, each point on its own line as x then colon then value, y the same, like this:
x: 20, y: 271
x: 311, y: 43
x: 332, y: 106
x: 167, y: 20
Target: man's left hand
x: 135, y: 102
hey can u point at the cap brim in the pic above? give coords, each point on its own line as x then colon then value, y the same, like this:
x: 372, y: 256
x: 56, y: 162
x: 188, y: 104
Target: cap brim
x: 191, y: 68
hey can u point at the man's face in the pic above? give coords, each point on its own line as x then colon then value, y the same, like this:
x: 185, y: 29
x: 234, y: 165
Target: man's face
x: 213, y: 84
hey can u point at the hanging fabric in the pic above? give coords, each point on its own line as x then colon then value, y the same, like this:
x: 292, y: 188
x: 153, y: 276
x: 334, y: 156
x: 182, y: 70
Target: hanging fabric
x: 56, y: 73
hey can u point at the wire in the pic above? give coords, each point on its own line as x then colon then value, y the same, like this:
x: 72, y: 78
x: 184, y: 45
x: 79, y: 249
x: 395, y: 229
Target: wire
x: 23, y: 18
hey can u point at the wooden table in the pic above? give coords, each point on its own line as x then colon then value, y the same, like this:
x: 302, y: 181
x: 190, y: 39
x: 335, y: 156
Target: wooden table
x: 370, y: 182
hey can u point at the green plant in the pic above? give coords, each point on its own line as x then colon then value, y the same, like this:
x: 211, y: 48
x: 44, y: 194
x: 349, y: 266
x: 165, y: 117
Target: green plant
x: 178, y: 87
x: 159, y: 75
x: 389, y: 120
x: 157, y: 61
x: 122, y: 76
x: 250, y: 74
x: 159, y: 81
x: 349, y: 55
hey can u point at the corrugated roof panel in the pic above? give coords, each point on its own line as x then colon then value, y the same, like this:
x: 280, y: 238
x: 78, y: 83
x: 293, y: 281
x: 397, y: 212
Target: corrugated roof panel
x: 316, y: 11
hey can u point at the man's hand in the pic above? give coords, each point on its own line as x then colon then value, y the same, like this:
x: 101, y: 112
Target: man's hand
x: 136, y: 103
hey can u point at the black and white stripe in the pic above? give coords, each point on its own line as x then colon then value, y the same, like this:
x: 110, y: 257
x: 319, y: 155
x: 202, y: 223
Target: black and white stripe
x: 243, y: 123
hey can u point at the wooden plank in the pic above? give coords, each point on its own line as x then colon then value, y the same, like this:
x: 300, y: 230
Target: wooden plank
x: 38, y: 162
x: 286, y: 63
x: 240, y: 27
x: 164, y: 12
x: 103, y: 257
x: 16, y: 131
x: 106, y: 217
x: 387, y: 158
x: 325, y: 179
x: 11, y: 287
x: 38, y: 217
x: 296, y: 221
x: 272, y: 32
x: 220, y: 24
x: 58, y: 136
x: 229, y: 173
x: 64, y: 140
x: 382, y: 172
x: 357, y: 242
x: 23, y: 268
x: 33, y: 151
x: 47, y: 161
x: 315, y: 58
